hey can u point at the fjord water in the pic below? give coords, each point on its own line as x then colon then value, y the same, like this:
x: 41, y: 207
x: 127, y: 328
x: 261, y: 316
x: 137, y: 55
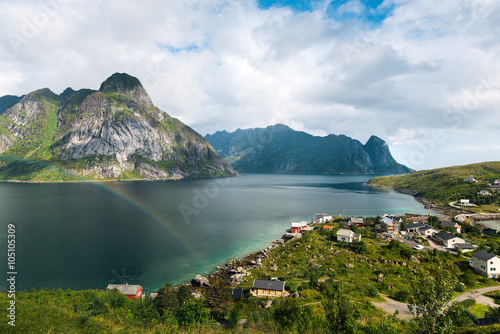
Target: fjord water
x: 88, y: 235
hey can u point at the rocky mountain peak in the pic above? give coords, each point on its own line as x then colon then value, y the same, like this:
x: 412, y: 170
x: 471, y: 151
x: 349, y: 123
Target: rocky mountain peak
x: 128, y: 86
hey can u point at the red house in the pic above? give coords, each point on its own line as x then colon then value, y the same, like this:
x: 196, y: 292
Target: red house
x: 356, y: 221
x: 297, y: 227
x: 131, y: 291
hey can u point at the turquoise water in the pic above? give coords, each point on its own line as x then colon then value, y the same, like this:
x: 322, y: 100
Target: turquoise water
x: 82, y: 236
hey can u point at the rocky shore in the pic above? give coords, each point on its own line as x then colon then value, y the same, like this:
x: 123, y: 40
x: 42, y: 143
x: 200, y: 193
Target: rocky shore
x: 235, y: 271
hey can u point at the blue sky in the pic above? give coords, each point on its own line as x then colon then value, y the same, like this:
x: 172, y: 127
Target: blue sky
x: 368, y: 12
x: 422, y: 75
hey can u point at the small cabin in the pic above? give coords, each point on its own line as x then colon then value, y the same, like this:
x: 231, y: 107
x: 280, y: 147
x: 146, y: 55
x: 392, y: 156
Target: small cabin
x: 131, y: 291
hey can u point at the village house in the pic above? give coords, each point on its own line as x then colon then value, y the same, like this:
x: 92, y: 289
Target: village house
x: 298, y: 227
x: 268, y: 288
x: 448, y: 240
x: 347, y: 236
x: 466, y: 202
x: 464, y: 247
x: 321, y: 218
x: 495, y: 186
x: 485, y: 263
x: 130, y: 291
x: 328, y: 227
x: 470, y: 179
x: 428, y: 231
x: 484, y: 193
x: 412, y: 228
x: 454, y: 225
x: 390, y: 225
x: 356, y: 221
x: 488, y: 231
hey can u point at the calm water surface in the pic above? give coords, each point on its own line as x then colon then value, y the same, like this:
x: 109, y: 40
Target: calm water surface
x: 82, y: 236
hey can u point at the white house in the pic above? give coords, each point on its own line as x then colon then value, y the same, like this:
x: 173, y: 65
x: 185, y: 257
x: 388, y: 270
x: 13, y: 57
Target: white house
x: 347, y: 236
x: 484, y: 193
x: 466, y: 202
x: 428, y: 230
x: 470, y: 179
x: 485, y: 263
x: 448, y: 240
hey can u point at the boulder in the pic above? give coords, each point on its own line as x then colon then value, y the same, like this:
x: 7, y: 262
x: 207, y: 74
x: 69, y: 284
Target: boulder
x: 414, y: 259
x: 380, y: 278
x: 267, y: 303
x: 349, y: 265
x: 200, y: 281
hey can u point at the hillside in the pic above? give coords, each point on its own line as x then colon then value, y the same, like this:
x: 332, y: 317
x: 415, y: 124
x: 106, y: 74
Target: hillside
x: 444, y: 185
x: 111, y: 134
x: 279, y: 149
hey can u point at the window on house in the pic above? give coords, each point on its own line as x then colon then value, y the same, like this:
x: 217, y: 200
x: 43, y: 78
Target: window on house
x: 493, y: 269
x: 491, y: 262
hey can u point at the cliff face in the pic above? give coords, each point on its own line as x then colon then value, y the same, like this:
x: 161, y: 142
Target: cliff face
x: 113, y: 133
x: 279, y: 149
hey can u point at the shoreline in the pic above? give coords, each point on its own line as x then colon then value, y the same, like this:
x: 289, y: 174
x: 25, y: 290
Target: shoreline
x: 447, y: 211
x: 120, y: 180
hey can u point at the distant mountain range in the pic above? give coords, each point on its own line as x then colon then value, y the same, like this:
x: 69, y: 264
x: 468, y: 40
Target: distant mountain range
x: 114, y: 133
x: 280, y: 149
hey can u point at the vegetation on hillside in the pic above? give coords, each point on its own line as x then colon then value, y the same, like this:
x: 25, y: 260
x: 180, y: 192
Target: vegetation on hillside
x: 445, y: 185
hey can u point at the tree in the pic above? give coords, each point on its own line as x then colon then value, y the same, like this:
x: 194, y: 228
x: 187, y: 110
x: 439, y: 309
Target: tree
x: 287, y: 313
x: 430, y: 302
x: 167, y: 299
x: 184, y: 294
x: 218, y: 297
x: 341, y: 315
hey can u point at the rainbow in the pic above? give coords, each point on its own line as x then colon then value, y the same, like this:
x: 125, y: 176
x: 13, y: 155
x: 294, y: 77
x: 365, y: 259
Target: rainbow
x: 110, y: 188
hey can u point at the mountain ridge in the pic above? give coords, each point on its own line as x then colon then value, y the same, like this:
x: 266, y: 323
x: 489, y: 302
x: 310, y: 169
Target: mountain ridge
x: 280, y: 149
x: 113, y: 133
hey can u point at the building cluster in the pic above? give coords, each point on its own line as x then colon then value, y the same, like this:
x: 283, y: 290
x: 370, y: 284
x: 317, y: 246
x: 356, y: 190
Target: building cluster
x: 482, y: 262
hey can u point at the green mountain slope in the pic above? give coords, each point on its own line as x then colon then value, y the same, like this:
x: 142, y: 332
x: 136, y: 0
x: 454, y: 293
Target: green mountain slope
x: 279, y: 149
x: 111, y: 134
x: 444, y: 185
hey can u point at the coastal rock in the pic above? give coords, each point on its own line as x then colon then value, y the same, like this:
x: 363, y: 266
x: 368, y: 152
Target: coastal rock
x: 200, y: 281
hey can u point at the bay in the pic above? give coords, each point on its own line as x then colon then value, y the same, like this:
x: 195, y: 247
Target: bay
x: 88, y: 235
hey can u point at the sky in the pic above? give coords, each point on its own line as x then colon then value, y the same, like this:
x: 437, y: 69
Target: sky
x: 423, y: 75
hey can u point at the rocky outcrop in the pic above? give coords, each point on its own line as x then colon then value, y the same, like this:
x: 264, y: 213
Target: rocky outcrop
x: 113, y: 133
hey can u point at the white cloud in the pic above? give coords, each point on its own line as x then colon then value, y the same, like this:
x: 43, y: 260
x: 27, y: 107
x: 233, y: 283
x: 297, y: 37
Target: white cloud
x: 228, y: 64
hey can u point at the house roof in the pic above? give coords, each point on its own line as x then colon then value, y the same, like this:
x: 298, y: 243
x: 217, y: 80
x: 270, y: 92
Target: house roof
x: 346, y: 233
x: 445, y: 235
x: 450, y: 224
x: 328, y: 227
x: 298, y: 224
x: 237, y: 293
x: 356, y: 220
x: 268, y: 285
x: 489, y: 231
x: 427, y: 227
x: 415, y: 225
x: 387, y: 221
x: 130, y: 290
x: 483, y: 255
x: 464, y: 245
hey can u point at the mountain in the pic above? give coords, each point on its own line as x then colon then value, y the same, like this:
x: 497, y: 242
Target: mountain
x: 443, y: 185
x: 279, y: 149
x: 113, y: 133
